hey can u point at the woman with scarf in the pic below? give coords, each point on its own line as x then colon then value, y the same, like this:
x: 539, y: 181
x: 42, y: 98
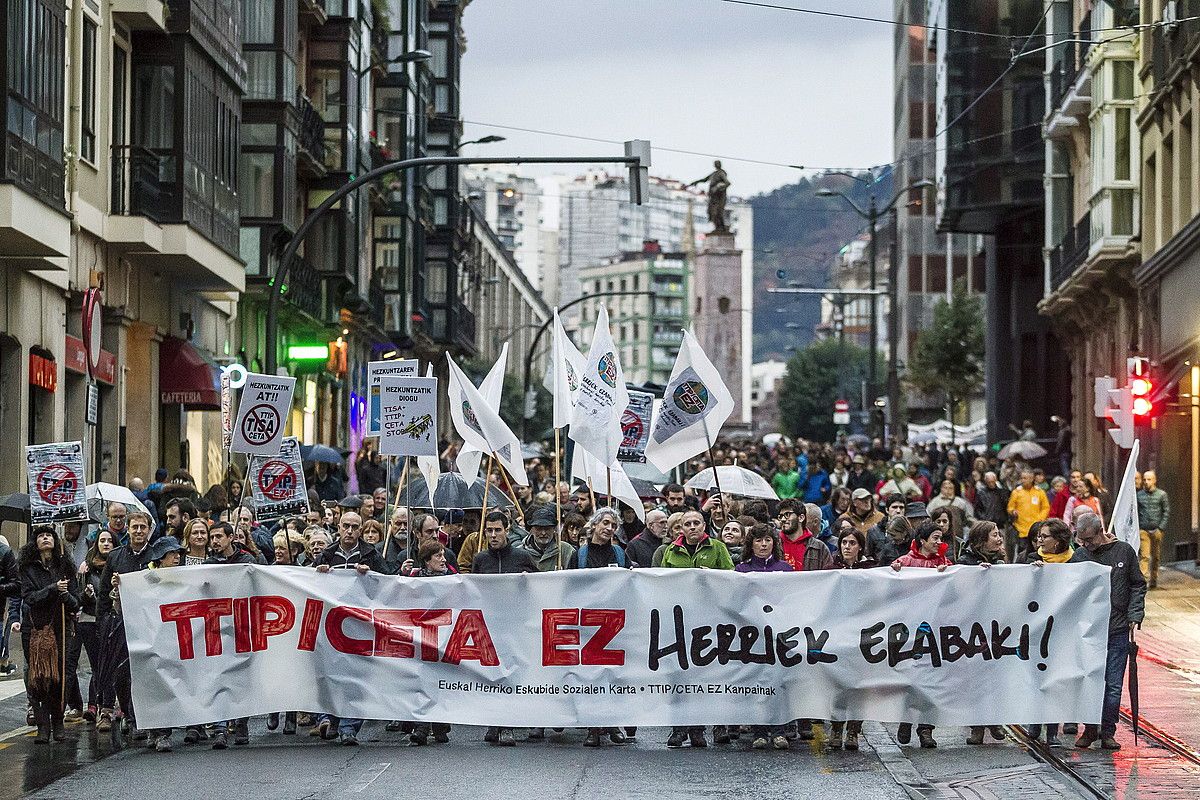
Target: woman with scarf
x: 984, y: 547
x: 1053, y: 541
x: 88, y: 628
x: 49, y: 596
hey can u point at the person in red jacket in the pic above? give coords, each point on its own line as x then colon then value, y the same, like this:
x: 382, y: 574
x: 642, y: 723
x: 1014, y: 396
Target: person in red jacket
x: 929, y: 551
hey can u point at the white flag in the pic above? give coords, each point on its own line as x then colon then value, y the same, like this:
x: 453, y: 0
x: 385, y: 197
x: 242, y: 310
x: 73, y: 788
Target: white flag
x: 586, y: 467
x: 695, y: 405
x: 1125, y: 524
x: 492, y: 390
x: 481, y: 426
x: 562, y: 379
x: 596, y: 418
x: 430, y: 467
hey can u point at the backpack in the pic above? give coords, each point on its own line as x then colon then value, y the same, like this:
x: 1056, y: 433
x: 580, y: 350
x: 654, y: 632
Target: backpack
x: 617, y: 551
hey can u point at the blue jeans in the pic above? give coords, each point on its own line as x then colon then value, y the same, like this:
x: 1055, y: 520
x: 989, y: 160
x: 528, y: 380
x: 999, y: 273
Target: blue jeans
x: 1114, y: 679
x: 344, y: 724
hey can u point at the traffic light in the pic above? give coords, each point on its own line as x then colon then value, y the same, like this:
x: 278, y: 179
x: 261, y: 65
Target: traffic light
x: 1120, y: 411
x: 1141, y: 387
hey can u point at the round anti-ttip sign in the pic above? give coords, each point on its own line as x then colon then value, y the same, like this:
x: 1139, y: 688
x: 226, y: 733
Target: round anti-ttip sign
x: 631, y: 427
x: 690, y: 397
x: 260, y: 424
x: 57, y: 485
x: 277, y: 480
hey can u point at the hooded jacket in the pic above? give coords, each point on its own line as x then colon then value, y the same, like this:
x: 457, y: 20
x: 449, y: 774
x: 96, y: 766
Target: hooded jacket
x: 915, y: 558
x: 1128, y: 585
x: 505, y: 561
x: 710, y: 553
x: 806, y: 553
x: 547, y: 559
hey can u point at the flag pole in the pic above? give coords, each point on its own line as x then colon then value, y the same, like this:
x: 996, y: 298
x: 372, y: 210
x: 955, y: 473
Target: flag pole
x: 608, y: 476
x: 711, y: 460
x: 557, y: 498
x: 506, y: 485
x: 387, y: 501
x: 487, y: 472
x: 592, y: 493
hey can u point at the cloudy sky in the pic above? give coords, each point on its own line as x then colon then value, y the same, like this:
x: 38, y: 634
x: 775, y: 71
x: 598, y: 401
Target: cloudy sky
x: 698, y: 75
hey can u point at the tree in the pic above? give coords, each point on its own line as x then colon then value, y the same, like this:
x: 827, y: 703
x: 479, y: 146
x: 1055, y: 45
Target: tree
x: 816, y: 376
x: 948, y: 357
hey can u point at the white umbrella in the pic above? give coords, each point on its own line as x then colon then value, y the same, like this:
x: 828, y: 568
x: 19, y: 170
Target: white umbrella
x: 734, y: 480
x: 101, y: 494
x: 1022, y: 449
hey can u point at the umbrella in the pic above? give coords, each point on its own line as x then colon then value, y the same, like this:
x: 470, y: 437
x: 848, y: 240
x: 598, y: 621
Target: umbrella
x: 734, y: 480
x: 858, y: 439
x: 320, y: 453
x: 14, y: 508
x: 532, y: 450
x: 645, y: 489
x: 1133, y: 685
x: 1022, y: 449
x: 773, y: 439
x: 99, y: 495
x: 451, y: 491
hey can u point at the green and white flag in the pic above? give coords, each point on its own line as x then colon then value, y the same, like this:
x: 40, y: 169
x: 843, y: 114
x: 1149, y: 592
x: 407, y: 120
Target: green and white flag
x: 695, y: 405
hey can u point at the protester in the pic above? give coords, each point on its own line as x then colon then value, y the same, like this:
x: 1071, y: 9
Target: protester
x: 852, y: 548
x: 797, y: 539
x: 1154, y: 512
x: 642, y: 547
x: 961, y: 512
x: 427, y: 529
x: 763, y: 553
x: 1053, y: 541
x: 863, y: 514
x: 733, y: 535
x: 431, y: 556
x: 196, y: 533
x: 1026, y: 505
x: 542, y: 542
x: 1128, y: 608
x: 597, y: 547
x: 87, y: 633
x: 49, y: 599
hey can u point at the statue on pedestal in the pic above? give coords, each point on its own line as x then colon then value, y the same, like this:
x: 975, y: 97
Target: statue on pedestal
x: 718, y: 186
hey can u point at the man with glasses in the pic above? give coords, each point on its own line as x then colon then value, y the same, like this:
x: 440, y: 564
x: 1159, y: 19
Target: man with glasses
x: 350, y: 553
x: 117, y: 516
x: 641, y: 547
x: 796, y: 539
x: 1128, y: 609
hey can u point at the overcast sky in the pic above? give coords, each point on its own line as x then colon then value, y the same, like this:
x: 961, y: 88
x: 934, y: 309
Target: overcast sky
x: 699, y: 75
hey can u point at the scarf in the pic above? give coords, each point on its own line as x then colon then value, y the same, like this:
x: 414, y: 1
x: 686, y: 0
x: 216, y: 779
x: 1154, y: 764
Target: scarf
x: 1056, y: 558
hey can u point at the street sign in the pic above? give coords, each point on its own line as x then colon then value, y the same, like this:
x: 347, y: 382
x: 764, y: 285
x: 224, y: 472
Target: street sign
x: 92, y: 313
x: 57, y: 486
x: 408, y: 416
x: 841, y: 412
x: 277, y: 482
x: 265, y: 404
x: 93, y: 403
x: 377, y: 370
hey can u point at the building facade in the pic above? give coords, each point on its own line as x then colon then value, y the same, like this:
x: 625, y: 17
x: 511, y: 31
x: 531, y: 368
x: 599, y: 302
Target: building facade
x: 511, y: 204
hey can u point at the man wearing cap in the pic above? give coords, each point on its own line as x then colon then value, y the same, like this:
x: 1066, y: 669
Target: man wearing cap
x: 863, y: 514
x: 860, y: 477
x: 542, y: 542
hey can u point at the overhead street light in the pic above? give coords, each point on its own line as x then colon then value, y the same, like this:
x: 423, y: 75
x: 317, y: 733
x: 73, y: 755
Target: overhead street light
x: 872, y: 214
x: 412, y: 56
x: 482, y: 140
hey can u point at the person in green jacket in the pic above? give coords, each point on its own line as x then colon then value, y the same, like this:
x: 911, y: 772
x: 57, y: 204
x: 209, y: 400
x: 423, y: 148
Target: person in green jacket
x: 695, y: 548
x: 786, y: 479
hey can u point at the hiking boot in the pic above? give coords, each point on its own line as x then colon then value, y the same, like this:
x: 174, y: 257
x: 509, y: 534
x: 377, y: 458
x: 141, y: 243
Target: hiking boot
x: 976, y: 736
x: 441, y: 738
x: 42, y: 717
x: 104, y: 722
x: 191, y: 736
x: 505, y: 738
x: 925, y: 737
x: 289, y: 723
x: 163, y: 744
x: 536, y: 735
x: 1087, y: 738
x: 720, y: 734
x: 761, y: 743
x: 904, y: 733
x: 696, y: 738
x: 491, y: 735
x: 220, y: 740
x: 615, y: 736
x: 997, y: 732
x: 418, y: 737
x: 1109, y: 743
x: 851, y: 740
x: 72, y: 714
x: 804, y: 730
x: 676, y: 739
x: 241, y: 733
x: 325, y: 729
x: 593, y: 738
x: 273, y: 720
x: 348, y: 739
x: 781, y: 743
x: 137, y: 734
x: 835, y: 735
x: 1071, y: 728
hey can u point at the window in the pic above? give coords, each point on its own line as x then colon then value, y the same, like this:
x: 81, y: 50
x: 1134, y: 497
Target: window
x: 257, y: 182
x: 1122, y: 80
x: 1121, y: 169
x: 260, y: 74
x: 87, y: 100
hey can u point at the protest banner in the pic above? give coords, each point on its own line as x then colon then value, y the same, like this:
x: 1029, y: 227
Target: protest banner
x: 606, y: 647
x: 635, y: 424
x: 262, y: 413
x: 57, y: 483
x: 277, y: 482
x: 377, y: 371
x: 408, y: 416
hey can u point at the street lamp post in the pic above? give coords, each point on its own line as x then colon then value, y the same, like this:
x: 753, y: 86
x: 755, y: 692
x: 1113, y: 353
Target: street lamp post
x: 637, y: 158
x: 872, y: 214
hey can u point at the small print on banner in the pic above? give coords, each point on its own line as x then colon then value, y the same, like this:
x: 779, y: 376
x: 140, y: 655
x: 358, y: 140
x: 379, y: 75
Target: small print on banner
x: 635, y: 424
x: 266, y: 401
x: 278, y: 482
x: 57, y: 485
x: 376, y: 371
x: 408, y: 416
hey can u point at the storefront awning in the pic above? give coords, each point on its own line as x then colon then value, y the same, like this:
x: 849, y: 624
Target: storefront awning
x: 185, y: 378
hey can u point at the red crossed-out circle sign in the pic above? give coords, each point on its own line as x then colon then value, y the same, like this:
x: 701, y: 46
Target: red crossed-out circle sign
x: 260, y: 424
x: 631, y: 427
x: 57, y: 484
x: 277, y: 480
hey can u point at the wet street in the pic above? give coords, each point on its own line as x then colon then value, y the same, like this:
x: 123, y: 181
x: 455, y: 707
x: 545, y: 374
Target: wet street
x: 1163, y: 765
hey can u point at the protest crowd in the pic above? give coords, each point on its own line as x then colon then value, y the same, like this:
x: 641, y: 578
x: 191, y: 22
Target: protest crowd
x: 840, y: 505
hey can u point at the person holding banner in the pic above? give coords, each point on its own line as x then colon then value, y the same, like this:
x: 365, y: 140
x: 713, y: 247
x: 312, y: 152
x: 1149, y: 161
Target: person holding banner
x: 1128, y: 609
x: 50, y: 598
x: 543, y: 542
x: 1053, y: 542
x: 394, y: 548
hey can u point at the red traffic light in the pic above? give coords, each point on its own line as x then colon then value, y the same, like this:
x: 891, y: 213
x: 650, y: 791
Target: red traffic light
x: 1142, y: 406
x: 1140, y: 387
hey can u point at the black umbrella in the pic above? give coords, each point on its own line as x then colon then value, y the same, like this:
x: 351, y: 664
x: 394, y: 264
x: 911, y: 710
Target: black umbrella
x: 1133, y: 685
x: 14, y: 508
x: 451, y: 491
x: 645, y: 489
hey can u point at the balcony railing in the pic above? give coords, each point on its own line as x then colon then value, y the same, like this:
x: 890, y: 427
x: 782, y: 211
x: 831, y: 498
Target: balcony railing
x: 312, y: 130
x: 303, y: 288
x: 462, y: 326
x: 1071, y: 251
x: 1074, y: 57
x: 137, y: 184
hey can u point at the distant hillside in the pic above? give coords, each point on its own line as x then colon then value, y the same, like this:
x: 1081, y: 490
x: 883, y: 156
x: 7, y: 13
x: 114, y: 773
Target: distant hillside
x: 800, y: 233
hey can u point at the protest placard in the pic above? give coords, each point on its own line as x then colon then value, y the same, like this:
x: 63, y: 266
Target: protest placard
x: 376, y: 371
x: 408, y: 416
x: 57, y: 483
x: 262, y: 413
